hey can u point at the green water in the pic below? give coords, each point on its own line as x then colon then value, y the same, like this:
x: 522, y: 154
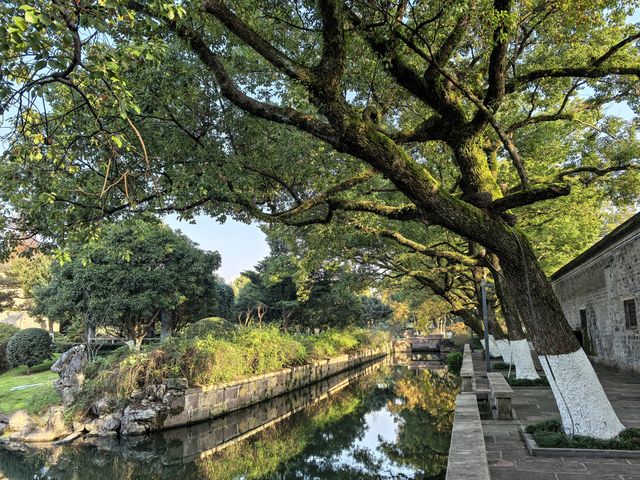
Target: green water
x: 389, y: 423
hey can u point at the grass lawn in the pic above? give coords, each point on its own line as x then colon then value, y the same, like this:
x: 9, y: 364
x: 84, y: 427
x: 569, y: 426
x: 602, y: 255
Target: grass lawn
x: 32, y: 399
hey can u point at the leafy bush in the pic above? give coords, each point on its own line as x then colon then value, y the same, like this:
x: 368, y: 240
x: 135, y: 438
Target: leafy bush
x: 62, y: 343
x: 336, y: 342
x: 501, y: 366
x: 550, y: 434
x: 269, y: 349
x: 206, y: 359
x: 454, y: 362
x: 525, y: 382
x: 6, y: 332
x: 215, y: 326
x: 29, y: 347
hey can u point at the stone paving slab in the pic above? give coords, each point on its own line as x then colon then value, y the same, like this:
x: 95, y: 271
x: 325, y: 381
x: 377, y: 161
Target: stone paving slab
x: 509, y: 459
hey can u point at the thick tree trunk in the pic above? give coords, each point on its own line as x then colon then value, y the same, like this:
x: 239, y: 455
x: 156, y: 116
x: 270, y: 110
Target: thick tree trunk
x: 588, y: 410
x: 504, y: 347
x: 523, y: 361
x: 494, y: 351
x: 471, y: 320
x: 583, y: 404
x: 520, y: 354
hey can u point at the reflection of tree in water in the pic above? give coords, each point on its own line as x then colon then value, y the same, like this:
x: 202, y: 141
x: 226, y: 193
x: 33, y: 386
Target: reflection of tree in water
x: 73, y: 463
x: 321, y: 432
x: 311, y: 444
x: 426, y: 406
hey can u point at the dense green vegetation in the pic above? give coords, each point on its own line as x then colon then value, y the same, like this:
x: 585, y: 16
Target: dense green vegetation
x: 454, y: 362
x: 135, y: 275
x: 526, y: 382
x: 550, y: 434
x: 29, y: 347
x: 6, y: 332
x: 219, y: 355
x: 33, y: 399
x: 281, y: 290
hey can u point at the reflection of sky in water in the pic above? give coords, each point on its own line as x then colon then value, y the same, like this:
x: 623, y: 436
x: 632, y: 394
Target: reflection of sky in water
x: 381, y: 427
x: 375, y: 429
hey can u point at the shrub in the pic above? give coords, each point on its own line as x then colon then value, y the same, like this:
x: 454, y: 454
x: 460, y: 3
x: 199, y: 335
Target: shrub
x: 209, y: 359
x: 550, y: 434
x: 29, y: 347
x: 62, y: 343
x: 331, y: 343
x: 501, y: 366
x: 525, y: 382
x: 214, y: 326
x: 454, y: 362
x: 269, y: 349
x: 6, y: 332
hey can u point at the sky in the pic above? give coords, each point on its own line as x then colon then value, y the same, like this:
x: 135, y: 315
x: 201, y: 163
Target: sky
x: 240, y: 245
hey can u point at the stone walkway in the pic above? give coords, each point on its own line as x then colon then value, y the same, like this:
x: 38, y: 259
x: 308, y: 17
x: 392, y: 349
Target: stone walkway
x: 509, y: 459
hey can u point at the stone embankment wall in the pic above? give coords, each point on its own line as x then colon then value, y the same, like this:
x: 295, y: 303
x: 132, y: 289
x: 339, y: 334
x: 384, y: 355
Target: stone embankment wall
x: 598, y: 283
x: 182, y: 445
x: 159, y: 411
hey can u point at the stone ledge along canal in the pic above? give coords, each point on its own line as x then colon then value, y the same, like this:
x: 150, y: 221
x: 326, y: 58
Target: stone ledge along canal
x: 378, y: 421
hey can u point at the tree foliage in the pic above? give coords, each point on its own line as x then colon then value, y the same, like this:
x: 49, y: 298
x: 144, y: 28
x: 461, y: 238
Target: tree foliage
x: 6, y: 332
x: 128, y: 276
x: 459, y: 114
x: 375, y: 311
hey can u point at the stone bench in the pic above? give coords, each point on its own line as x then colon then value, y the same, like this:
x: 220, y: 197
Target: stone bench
x: 500, y: 396
x: 467, y: 455
x: 466, y: 372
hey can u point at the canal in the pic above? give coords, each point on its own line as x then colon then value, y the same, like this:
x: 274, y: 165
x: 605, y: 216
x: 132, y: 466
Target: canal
x: 381, y: 421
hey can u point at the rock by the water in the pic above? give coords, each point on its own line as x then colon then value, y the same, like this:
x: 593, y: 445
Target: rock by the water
x: 177, y: 383
x: 102, y: 407
x: 70, y: 366
x: 140, y: 420
x: 100, y: 426
x: 21, y: 421
x: 155, y: 392
x: 25, y: 429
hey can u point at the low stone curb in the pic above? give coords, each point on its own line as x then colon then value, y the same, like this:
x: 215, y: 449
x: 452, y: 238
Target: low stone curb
x: 467, y: 452
x: 536, y: 451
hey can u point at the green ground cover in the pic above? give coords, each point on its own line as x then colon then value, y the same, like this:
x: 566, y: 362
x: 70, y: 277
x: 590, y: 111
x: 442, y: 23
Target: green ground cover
x: 524, y: 382
x: 33, y: 399
x: 500, y: 366
x: 549, y: 434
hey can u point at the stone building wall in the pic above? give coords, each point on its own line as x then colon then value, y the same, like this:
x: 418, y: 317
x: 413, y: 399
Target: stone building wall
x: 598, y: 283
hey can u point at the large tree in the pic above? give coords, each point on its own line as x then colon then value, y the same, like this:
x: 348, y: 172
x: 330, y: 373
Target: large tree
x: 279, y: 290
x: 360, y: 96
x: 130, y: 276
